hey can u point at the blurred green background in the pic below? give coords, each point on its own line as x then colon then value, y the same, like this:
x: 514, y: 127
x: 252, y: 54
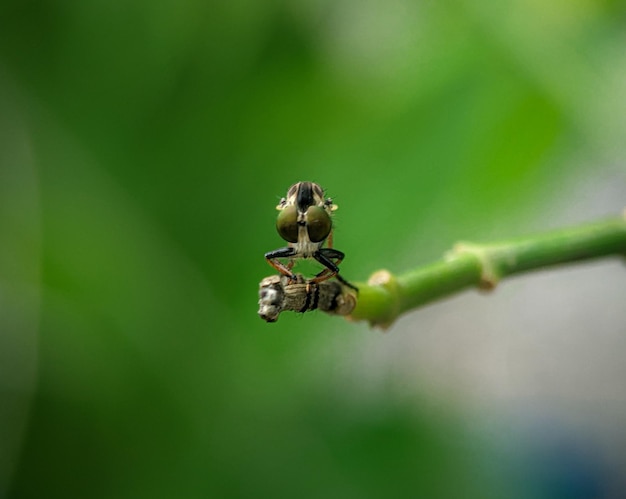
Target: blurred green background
x: 143, y: 148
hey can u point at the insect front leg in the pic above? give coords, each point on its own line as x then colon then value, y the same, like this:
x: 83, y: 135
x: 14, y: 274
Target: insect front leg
x: 330, y: 258
x: 273, y: 256
x: 326, y: 256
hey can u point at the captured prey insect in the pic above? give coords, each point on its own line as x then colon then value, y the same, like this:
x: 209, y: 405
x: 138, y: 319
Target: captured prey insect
x: 278, y: 293
x: 305, y: 223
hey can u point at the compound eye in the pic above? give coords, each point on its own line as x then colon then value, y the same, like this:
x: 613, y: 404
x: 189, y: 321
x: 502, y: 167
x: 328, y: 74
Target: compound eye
x: 318, y: 223
x: 287, y: 224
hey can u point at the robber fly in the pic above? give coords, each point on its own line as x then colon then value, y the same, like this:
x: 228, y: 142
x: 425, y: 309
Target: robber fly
x: 305, y: 223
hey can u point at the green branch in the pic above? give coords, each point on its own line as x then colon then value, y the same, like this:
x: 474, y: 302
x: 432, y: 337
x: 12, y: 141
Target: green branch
x: 386, y: 296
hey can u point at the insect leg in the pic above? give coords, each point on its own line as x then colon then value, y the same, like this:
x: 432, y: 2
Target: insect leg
x: 326, y: 256
x: 273, y: 256
x: 325, y: 259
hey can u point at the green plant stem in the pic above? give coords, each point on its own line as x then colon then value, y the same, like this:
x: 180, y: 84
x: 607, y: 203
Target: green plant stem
x: 386, y: 296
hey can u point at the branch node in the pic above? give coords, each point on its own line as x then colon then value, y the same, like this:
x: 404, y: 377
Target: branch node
x: 489, y: 278
x: 380, y: 278
x: 389, y: 282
